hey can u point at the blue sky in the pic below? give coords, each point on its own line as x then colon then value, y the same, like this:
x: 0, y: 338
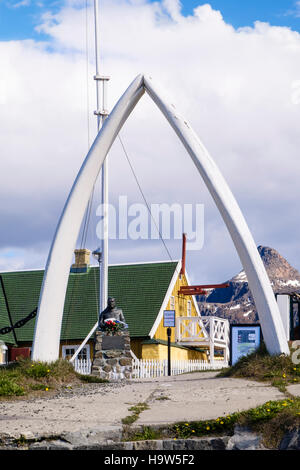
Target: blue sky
x: 18, y: 18
x: 247, y: 83
x: 246, y: 12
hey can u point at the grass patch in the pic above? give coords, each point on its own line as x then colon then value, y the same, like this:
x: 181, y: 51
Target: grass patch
x: 278, y: 370
x: 147, y: 434
x: 8, y: 387
x: 136, y: 411
x: 26, y: 378
x: 272, y: 420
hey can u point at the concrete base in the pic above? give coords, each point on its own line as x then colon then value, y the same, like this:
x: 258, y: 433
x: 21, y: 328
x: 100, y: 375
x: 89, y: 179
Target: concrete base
x: 112, y: 357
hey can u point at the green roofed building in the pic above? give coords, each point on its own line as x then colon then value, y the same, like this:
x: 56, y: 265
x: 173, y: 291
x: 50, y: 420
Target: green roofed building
x: 142, y: 290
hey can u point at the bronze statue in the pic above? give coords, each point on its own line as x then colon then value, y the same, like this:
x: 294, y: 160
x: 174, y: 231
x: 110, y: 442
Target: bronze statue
x: 111, y: 313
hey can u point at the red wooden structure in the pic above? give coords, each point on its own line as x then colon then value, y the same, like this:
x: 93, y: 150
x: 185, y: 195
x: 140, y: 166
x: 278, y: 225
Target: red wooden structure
x: 194, y: 290
x: 197, y: 290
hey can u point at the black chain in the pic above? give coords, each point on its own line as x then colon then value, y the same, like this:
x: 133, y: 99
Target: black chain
x: 19, y: 324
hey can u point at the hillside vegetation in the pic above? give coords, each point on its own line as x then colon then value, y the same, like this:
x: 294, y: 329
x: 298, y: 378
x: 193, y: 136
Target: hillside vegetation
x: 26, y: 378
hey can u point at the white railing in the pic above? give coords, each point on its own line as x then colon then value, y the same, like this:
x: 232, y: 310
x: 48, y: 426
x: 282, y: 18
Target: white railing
x: 212, y: 332
x: 217, y: 328
x: 151, y: 368
x: 191, y: 330
x: 82, y: 366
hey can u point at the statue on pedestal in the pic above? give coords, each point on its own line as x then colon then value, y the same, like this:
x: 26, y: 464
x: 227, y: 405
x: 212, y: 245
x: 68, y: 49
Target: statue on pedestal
x: 111, y: 314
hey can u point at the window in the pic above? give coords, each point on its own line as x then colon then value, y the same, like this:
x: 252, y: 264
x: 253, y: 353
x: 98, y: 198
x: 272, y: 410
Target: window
x: 69, y: 351
x: 189, y: 308
x: 172, y: 302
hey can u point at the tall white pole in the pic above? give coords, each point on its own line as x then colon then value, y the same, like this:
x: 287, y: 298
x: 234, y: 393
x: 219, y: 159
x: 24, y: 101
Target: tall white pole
x: 102, y: 113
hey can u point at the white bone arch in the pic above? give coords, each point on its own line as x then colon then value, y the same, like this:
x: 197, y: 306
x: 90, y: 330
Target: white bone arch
x: 52, y: 297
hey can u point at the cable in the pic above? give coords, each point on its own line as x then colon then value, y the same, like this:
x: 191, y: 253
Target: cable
x: 147, y: 205
x: 143, y: 196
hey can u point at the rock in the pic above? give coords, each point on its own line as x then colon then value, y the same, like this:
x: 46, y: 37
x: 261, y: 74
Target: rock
x: 99, y: 362
x: 244, y: 439
x: 205, y: 443
x: 110, y: 362
x: 148, y: 445
x: 125, y: 361
x: 291, y: 440
x: 98, y: 354
x: 236, y: 302
x: 98, y: 436
x: 113, y: 353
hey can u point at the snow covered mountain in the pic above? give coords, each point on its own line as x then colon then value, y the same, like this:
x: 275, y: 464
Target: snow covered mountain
x: 236, y: 303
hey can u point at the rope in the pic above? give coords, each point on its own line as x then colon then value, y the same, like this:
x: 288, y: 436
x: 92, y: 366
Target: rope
x: 143, y: 196
x: 147, y: 204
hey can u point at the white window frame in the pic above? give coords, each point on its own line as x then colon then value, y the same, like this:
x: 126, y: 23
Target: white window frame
x: 75, y: 347
x: 172, y: 302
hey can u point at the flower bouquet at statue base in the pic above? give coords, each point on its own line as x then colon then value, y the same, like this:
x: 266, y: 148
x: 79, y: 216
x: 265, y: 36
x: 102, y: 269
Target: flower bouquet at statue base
x: 114, y: 327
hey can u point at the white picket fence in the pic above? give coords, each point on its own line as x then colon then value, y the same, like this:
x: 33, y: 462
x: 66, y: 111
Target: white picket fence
x: 83, y: 366
x: 150, y: 368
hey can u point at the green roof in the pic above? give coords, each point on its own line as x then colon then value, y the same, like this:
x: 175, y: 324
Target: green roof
x: 4, y: 318
x: 139, y: 290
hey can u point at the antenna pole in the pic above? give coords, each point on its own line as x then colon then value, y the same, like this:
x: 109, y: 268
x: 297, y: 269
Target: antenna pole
x: 102, y: 113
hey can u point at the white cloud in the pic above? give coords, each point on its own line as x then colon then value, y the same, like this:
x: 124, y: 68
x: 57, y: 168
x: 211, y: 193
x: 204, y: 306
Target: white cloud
x: 234, y: 86
x: 22, y: 3
x: 297, y: 9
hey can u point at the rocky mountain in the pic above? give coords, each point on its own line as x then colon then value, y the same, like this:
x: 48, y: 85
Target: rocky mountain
x: 236, y: 303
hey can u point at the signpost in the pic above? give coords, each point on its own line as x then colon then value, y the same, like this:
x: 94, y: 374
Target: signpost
x: 169, y: 323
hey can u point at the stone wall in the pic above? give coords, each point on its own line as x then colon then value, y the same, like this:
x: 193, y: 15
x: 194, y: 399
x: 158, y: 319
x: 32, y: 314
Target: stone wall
x: 112, y: 357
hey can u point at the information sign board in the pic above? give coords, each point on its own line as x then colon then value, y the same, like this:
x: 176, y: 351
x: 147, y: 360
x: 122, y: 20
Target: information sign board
x: 244, y: 339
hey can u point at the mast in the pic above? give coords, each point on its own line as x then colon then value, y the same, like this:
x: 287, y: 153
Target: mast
x: 102, y: 113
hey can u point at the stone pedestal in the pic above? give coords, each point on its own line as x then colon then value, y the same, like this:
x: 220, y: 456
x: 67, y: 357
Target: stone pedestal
x: 112, y: 358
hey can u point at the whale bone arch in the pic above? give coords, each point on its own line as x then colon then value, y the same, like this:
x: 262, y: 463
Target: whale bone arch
x: 52, y: 296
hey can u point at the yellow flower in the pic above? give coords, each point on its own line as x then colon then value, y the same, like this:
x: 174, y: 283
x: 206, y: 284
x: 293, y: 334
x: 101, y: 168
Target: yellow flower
x: 208, y: 428
x: 268, y: 409
x: 46, y: 389
x: 284, y: 404
x: 193, y: 430
x: 284, y: 376
x: 222, y: 422
x: 48, y: 370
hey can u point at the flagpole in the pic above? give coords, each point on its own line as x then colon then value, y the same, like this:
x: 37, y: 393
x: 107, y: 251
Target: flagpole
x: 102, y: 113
